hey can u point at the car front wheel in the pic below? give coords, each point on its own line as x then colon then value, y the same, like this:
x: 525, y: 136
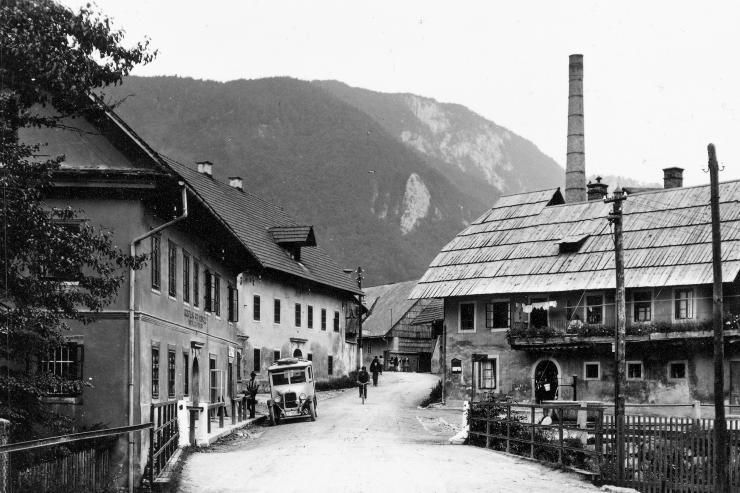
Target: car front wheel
x: 312, y: 410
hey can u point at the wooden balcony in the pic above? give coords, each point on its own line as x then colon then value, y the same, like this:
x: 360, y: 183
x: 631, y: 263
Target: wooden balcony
x: 580, y: 335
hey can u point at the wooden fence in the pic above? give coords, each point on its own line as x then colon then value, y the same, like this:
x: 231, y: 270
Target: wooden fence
x: 670, y: 454
x: 76, y: 462
x: 661, y: 454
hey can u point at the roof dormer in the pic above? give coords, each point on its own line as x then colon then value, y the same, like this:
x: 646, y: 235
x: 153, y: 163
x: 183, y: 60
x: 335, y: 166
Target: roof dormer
x: 292, y: 238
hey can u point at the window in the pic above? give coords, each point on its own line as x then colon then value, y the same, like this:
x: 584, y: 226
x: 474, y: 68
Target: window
x: 595, y: 309
x: 196, y: 283
x: 309, y: 317
x: 676, y: 370
x: 634, y: 370
x: 208, y: 291
x: 467, y: 317
x: 297, y: 314
x: 233, y: 304
x: 276, y: 355
x: 238, y: 366
x: 171, y: 269
x: 185, y: 277
x: 276, y: 311
x: 592, y: 371
x: 309, y: 357
x: 336, y: 321
x: 256, y: 361
x: 217, y: 294
x: 171, y: 373
x: 572, y: 312
x: 155, y: 372
x: 684, y: 304
x: 323, y: 319
x: 497, y: 315
x: 256, y: 307
x: 330, y: 365
x: 487, y: 370
x: 156, y: 268
x: 185, y: 374
x: 64, y: 362
x: 642, y: 306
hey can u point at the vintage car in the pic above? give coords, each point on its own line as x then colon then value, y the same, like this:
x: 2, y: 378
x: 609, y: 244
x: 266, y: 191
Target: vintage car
x: 292, y: 392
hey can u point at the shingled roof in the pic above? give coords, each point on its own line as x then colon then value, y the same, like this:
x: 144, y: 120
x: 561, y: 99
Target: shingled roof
x: 253, y: 221
x: 517, y: 245
x: 387, y: 304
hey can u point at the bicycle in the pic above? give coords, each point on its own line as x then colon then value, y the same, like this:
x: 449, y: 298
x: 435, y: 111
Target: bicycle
x: 363, y: 394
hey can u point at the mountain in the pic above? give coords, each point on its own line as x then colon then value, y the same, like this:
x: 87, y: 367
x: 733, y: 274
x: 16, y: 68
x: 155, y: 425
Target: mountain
x: 386, y: 179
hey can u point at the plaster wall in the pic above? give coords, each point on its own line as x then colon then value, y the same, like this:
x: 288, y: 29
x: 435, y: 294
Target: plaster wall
x: 287, y: 336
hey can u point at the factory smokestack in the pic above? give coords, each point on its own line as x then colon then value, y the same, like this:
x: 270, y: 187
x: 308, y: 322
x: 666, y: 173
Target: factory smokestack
x: 575, y: 161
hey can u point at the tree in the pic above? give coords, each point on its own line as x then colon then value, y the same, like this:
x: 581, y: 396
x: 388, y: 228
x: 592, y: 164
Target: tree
x: 54, y: 268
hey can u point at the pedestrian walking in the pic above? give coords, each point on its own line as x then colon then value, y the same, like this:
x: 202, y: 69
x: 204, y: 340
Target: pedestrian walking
x: 252, y: 389
x: 375, y: 369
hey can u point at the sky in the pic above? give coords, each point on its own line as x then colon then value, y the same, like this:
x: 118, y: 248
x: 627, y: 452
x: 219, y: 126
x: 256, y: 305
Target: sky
x: 661, y: 79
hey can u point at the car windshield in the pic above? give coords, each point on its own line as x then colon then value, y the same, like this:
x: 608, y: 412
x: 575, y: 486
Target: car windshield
x: 280, y: 378
x: 297, y: 376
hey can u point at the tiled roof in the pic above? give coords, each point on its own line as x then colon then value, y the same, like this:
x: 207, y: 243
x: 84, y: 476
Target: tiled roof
x: 251, y: 220
x: 388, y: 304
x: 515, y: 246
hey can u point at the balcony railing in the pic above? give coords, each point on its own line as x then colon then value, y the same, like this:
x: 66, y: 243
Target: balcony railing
x: 522, y: 334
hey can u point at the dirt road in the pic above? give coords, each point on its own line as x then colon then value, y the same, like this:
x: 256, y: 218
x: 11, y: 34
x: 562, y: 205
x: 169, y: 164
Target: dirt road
x: 387, y: 445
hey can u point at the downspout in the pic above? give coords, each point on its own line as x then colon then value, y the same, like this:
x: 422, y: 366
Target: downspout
x: 131, y: 339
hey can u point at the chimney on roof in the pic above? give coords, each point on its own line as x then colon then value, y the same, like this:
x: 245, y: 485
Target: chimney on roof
x: 575, y: 161
x: 236, y: 182
x: 205, y: 167
x: 672, y: 177
x: 598, y: 190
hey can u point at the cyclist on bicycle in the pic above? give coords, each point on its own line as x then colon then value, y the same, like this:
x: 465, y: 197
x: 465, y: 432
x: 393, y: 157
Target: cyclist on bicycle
x: 363, y: 377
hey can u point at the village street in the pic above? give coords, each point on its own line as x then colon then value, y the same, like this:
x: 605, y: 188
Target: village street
x: 387, y: 445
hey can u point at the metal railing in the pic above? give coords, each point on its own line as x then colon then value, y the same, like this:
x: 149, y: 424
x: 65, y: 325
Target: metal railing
x: 164, y: 437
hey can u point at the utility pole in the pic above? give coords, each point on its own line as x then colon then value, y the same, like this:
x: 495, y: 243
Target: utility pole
x: 443, y: 350
x: 619, y: 332
x: 721, y: 482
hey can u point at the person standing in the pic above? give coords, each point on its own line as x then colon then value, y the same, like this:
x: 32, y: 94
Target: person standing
x: 363, y: 378
x: 375, y: 369
x: 252, y: 389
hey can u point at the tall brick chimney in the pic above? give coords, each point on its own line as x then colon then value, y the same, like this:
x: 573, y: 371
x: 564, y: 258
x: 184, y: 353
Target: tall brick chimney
x: 575, y: 162
x: 672, y: 177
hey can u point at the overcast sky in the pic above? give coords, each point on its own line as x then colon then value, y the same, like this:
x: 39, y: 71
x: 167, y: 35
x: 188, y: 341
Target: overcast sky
x: 661, y: 78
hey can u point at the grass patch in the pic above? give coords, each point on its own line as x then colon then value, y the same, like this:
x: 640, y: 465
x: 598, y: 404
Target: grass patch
x: 435, y: 395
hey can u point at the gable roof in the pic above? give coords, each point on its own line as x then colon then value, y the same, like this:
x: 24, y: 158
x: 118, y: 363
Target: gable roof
x: 388, y: 305
x: 433, y: 312
x: 252, y: 220
x: 514, y: 247
x: 88, y: 145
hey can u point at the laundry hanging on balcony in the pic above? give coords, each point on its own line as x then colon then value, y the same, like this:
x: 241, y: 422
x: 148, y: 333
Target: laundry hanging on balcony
x: 542, y: 305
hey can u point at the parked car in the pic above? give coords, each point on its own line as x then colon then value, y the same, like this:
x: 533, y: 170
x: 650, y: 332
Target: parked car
x: 292, y: 390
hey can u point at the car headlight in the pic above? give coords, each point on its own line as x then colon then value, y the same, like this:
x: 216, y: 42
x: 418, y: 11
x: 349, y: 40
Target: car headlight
x: 303, y: 397
x: 278, y: 398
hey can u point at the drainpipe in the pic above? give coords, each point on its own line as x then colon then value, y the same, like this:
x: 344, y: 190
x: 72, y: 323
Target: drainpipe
x: 131, y: 341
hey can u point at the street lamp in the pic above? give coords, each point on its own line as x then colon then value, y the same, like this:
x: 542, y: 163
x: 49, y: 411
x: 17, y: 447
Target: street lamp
x: 359, y: 276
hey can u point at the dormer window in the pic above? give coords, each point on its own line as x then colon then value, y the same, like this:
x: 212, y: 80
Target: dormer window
x: 572, y: 243
x: 293, y: 238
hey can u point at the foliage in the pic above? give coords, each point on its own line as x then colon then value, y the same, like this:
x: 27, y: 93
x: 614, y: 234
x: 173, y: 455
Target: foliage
x: 435, y: 395
x: 520, y: 432
x: 344, y: 382
x: 56, y: 267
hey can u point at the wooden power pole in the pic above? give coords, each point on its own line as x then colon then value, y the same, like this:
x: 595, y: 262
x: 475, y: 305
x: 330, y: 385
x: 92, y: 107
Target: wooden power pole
x: 721, y: 480
x: 620, y: 373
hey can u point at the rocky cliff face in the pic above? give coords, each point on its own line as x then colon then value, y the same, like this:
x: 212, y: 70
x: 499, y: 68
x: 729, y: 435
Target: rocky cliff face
x: 387, y: 179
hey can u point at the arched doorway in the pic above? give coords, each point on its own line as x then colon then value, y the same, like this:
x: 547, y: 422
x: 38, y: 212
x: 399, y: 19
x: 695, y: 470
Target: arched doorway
x: 546, y: 374
x: 297, y: 353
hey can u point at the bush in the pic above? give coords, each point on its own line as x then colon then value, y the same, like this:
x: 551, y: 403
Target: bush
x: 345, y: 382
